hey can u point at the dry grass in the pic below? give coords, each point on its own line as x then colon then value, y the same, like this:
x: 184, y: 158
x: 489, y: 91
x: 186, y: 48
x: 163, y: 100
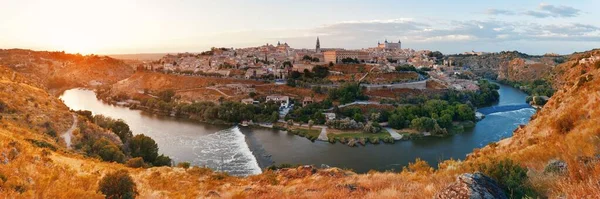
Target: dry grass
x: 32, y: 171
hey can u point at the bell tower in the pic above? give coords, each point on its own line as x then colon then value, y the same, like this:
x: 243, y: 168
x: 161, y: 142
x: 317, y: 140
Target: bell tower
x: 318, y: 47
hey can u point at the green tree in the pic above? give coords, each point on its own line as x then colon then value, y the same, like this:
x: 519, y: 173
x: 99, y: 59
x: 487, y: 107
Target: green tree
x: 145, y: 147
x: 122, y: 130
x: 107, y: 151
x: 423, y: 124
x: 118, y: 184
x: 320, y: 71
x: 445, y: 121
x: 511, y: 177
x: 465, y: 113
x: 162, y: 160
x: 166, y: 95
x: 396, y: 121
x: 358, y: 117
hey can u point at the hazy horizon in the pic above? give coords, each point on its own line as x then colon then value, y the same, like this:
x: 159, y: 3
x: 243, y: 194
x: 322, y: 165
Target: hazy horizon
x: 127, y: 27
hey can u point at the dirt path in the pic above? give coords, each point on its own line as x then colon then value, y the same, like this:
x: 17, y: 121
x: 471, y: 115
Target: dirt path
x: 209, y: 88
x: 216, y: 89
x: 394, y: 134
x: 323, y: 135
x: 69, y: 133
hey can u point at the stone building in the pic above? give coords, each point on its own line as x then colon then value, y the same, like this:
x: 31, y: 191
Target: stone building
x: 390, y: 45
x: 336, y: 56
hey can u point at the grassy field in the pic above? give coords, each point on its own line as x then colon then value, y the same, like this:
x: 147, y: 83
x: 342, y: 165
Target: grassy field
x: 345, y: 136
x: 311, y: 134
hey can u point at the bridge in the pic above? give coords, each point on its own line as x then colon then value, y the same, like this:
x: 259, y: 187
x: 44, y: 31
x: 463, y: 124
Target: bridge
x: 504, y: 108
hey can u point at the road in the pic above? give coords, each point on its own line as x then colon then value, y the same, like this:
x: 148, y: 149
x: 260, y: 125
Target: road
x: 69, y: 133
x: 353, y: 103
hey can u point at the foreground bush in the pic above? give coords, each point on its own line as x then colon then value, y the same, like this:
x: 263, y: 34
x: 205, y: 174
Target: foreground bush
x: 184, y: 165
x: 118, y: 184
x: 511, y: 176
x: 162, y: 160
x: 135, y: 162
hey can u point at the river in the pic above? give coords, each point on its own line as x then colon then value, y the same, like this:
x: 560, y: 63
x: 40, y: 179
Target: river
x: 244, y: 151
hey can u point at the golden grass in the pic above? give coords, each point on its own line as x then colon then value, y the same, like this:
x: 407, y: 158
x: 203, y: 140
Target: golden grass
x: 33, y: 172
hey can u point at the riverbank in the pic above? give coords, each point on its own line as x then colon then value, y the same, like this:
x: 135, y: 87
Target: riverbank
x: 198, y: 143
x: 350, y: 138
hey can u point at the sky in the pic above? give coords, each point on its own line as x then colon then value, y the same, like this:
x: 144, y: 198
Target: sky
x: 159, y: 26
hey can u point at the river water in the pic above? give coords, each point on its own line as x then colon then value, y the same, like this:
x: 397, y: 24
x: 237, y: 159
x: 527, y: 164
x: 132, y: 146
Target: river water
x: 244, y: 151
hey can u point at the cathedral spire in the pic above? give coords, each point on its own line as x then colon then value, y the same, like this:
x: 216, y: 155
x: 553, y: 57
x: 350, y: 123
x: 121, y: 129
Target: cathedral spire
x: 318, y: 46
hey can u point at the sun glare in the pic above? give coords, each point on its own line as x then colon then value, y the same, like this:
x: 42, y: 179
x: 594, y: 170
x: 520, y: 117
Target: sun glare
x: 73, y: 42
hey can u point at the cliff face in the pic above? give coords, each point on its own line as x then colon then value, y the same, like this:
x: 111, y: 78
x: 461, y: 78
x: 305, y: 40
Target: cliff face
x: 525, y: 70
x: 566, y: 130
x: 513, y: 66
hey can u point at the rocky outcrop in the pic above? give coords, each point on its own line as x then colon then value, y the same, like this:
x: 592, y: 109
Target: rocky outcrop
x: 473, y: 186
x: 556, y: 166
x: 521, y: 69
x: 513, y: 66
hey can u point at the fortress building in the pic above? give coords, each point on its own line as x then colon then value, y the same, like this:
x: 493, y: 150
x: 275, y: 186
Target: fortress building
x: 390, y: 45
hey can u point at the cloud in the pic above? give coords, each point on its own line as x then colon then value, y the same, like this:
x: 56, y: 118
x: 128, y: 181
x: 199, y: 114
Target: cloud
x: 559, y: 11
x: 499, y: 12
x: 537, y: 14
x: 450, y: 36
x: 544, y: 10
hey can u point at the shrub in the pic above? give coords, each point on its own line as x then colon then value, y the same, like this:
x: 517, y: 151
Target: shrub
x: 51, y: 132
x: 42, y: 144
x: 281, y: 166
x: 86, y: 114
x: 162, y: 160
x: 511, y: 177
x: 374, y: 140
x: 219, y: 176
x: 135, y: 162
x: 118, y: 184
x: 372, y: 127
x: 184, y: 165
x: 565, y: 123
x: 419, y: 166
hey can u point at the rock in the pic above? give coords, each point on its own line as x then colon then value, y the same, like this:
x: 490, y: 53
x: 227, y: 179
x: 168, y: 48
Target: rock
x: 324, y: 166
x: 308, y: 168
x: 473, y: 186
x: 213, y: 193
x: 556, y: 166
x: 14, y: 152
x: 351, y: 187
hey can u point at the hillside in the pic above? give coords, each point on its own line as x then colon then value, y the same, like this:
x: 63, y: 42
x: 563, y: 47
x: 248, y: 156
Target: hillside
x: 140, y: 57
x: 35, y: 164
x: 58, y: 71
x: 509, y: 65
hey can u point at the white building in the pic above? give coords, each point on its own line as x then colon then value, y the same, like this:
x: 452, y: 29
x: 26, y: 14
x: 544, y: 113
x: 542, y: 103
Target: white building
x: 283, y: 100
